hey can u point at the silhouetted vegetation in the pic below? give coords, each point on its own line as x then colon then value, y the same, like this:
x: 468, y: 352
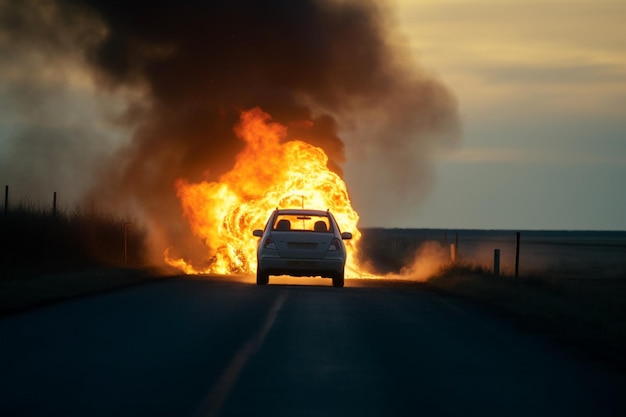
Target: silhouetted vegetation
x: 37, y: 240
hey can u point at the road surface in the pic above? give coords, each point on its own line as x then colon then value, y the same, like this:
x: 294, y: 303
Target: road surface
x: 218, y: 347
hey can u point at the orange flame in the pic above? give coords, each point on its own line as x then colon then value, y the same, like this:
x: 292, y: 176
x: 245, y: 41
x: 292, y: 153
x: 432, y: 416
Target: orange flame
x: 268, y: 173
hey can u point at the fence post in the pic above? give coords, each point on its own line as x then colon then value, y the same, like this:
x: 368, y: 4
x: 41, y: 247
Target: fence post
x: 452, y: 252
x: 517, y: 235
x: 54, y: 204
x: 496, y: 262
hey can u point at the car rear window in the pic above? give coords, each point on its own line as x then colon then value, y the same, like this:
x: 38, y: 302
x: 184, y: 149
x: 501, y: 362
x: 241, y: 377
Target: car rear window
x: 300, y: 222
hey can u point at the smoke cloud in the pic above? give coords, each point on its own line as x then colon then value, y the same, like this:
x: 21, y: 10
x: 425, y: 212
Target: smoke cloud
x: 177, y: 74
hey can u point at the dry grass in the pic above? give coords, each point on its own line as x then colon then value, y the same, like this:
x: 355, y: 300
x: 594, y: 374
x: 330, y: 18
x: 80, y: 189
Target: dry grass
x: 47, y: 256
x: 36, y: 240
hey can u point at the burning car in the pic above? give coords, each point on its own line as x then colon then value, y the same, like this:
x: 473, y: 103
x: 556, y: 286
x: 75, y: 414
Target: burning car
x: 299, y: 242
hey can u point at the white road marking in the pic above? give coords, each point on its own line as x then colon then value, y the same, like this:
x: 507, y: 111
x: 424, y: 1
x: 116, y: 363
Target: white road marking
x: 213, y: 402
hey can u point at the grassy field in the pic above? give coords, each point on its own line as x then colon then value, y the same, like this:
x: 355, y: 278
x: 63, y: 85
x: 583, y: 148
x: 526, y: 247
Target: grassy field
x: 47, y: 256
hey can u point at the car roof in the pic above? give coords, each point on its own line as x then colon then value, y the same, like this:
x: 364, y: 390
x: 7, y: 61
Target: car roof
x: 303, y: 211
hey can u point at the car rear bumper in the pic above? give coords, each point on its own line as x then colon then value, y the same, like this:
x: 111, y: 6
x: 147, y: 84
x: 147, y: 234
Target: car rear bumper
x: 301, y: 267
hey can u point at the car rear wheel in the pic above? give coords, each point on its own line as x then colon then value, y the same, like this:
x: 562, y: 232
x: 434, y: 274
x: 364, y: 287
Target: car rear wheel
x: 262, y: 278
x: 338, y: 280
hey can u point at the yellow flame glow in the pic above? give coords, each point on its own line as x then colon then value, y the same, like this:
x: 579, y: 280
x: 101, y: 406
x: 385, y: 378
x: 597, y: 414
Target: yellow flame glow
x: 269, y: 173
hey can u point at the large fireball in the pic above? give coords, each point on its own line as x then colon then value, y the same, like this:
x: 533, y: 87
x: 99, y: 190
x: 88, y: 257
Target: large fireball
x: 269, y: 173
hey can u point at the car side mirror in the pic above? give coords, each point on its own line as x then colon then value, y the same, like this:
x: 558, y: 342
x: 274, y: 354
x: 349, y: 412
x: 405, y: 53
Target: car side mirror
x: 258, y: 233
x: 346, y: 236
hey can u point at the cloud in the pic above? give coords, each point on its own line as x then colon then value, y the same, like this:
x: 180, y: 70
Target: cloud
x: 554, y: 74
x: 552, y: 54
x: 528, y: 157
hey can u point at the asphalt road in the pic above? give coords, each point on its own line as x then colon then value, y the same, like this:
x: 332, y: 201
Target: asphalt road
x: 217, y: 347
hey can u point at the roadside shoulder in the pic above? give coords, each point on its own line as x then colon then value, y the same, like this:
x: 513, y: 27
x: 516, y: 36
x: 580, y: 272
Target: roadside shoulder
x: 21, y: 292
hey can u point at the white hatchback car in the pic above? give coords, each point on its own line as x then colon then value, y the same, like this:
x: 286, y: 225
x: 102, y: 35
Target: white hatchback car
x: 299, y: 243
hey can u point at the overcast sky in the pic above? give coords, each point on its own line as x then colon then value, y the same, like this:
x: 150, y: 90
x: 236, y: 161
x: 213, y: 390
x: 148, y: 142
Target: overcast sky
x: 541, y: 87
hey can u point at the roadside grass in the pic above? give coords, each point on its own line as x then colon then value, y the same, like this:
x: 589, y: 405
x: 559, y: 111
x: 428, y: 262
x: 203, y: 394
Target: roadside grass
x: 34, y: 239
x: 46, y: 255
x: 586, y: 314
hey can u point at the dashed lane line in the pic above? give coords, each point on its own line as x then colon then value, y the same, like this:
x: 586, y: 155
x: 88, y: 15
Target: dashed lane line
x: 215, y: 399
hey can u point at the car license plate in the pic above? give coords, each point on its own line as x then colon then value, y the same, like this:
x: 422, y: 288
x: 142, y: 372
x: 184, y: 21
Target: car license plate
x: 301, y: 245
x: 302, y: 264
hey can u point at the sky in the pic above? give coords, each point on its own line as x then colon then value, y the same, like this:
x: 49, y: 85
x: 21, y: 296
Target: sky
x: 541, y: 90
x: 540, y: 87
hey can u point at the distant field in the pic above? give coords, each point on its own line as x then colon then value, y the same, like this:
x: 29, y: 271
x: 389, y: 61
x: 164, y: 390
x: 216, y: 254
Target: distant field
x: 568, y: 254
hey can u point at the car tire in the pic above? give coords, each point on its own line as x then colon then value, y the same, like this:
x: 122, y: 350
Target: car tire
x: 262, y: 278
x: 338, y: 280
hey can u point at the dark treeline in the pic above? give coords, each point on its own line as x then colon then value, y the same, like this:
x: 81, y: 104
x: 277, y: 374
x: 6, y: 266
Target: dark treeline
x: 33, y: 239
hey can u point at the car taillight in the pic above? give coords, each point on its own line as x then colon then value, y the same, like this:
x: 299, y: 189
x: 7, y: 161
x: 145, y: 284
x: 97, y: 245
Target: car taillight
x: 269, y: 243
x: 334, y: 245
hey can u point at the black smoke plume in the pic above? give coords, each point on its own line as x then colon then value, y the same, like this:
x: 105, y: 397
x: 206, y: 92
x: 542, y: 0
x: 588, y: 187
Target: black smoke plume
x: 197, y: 64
